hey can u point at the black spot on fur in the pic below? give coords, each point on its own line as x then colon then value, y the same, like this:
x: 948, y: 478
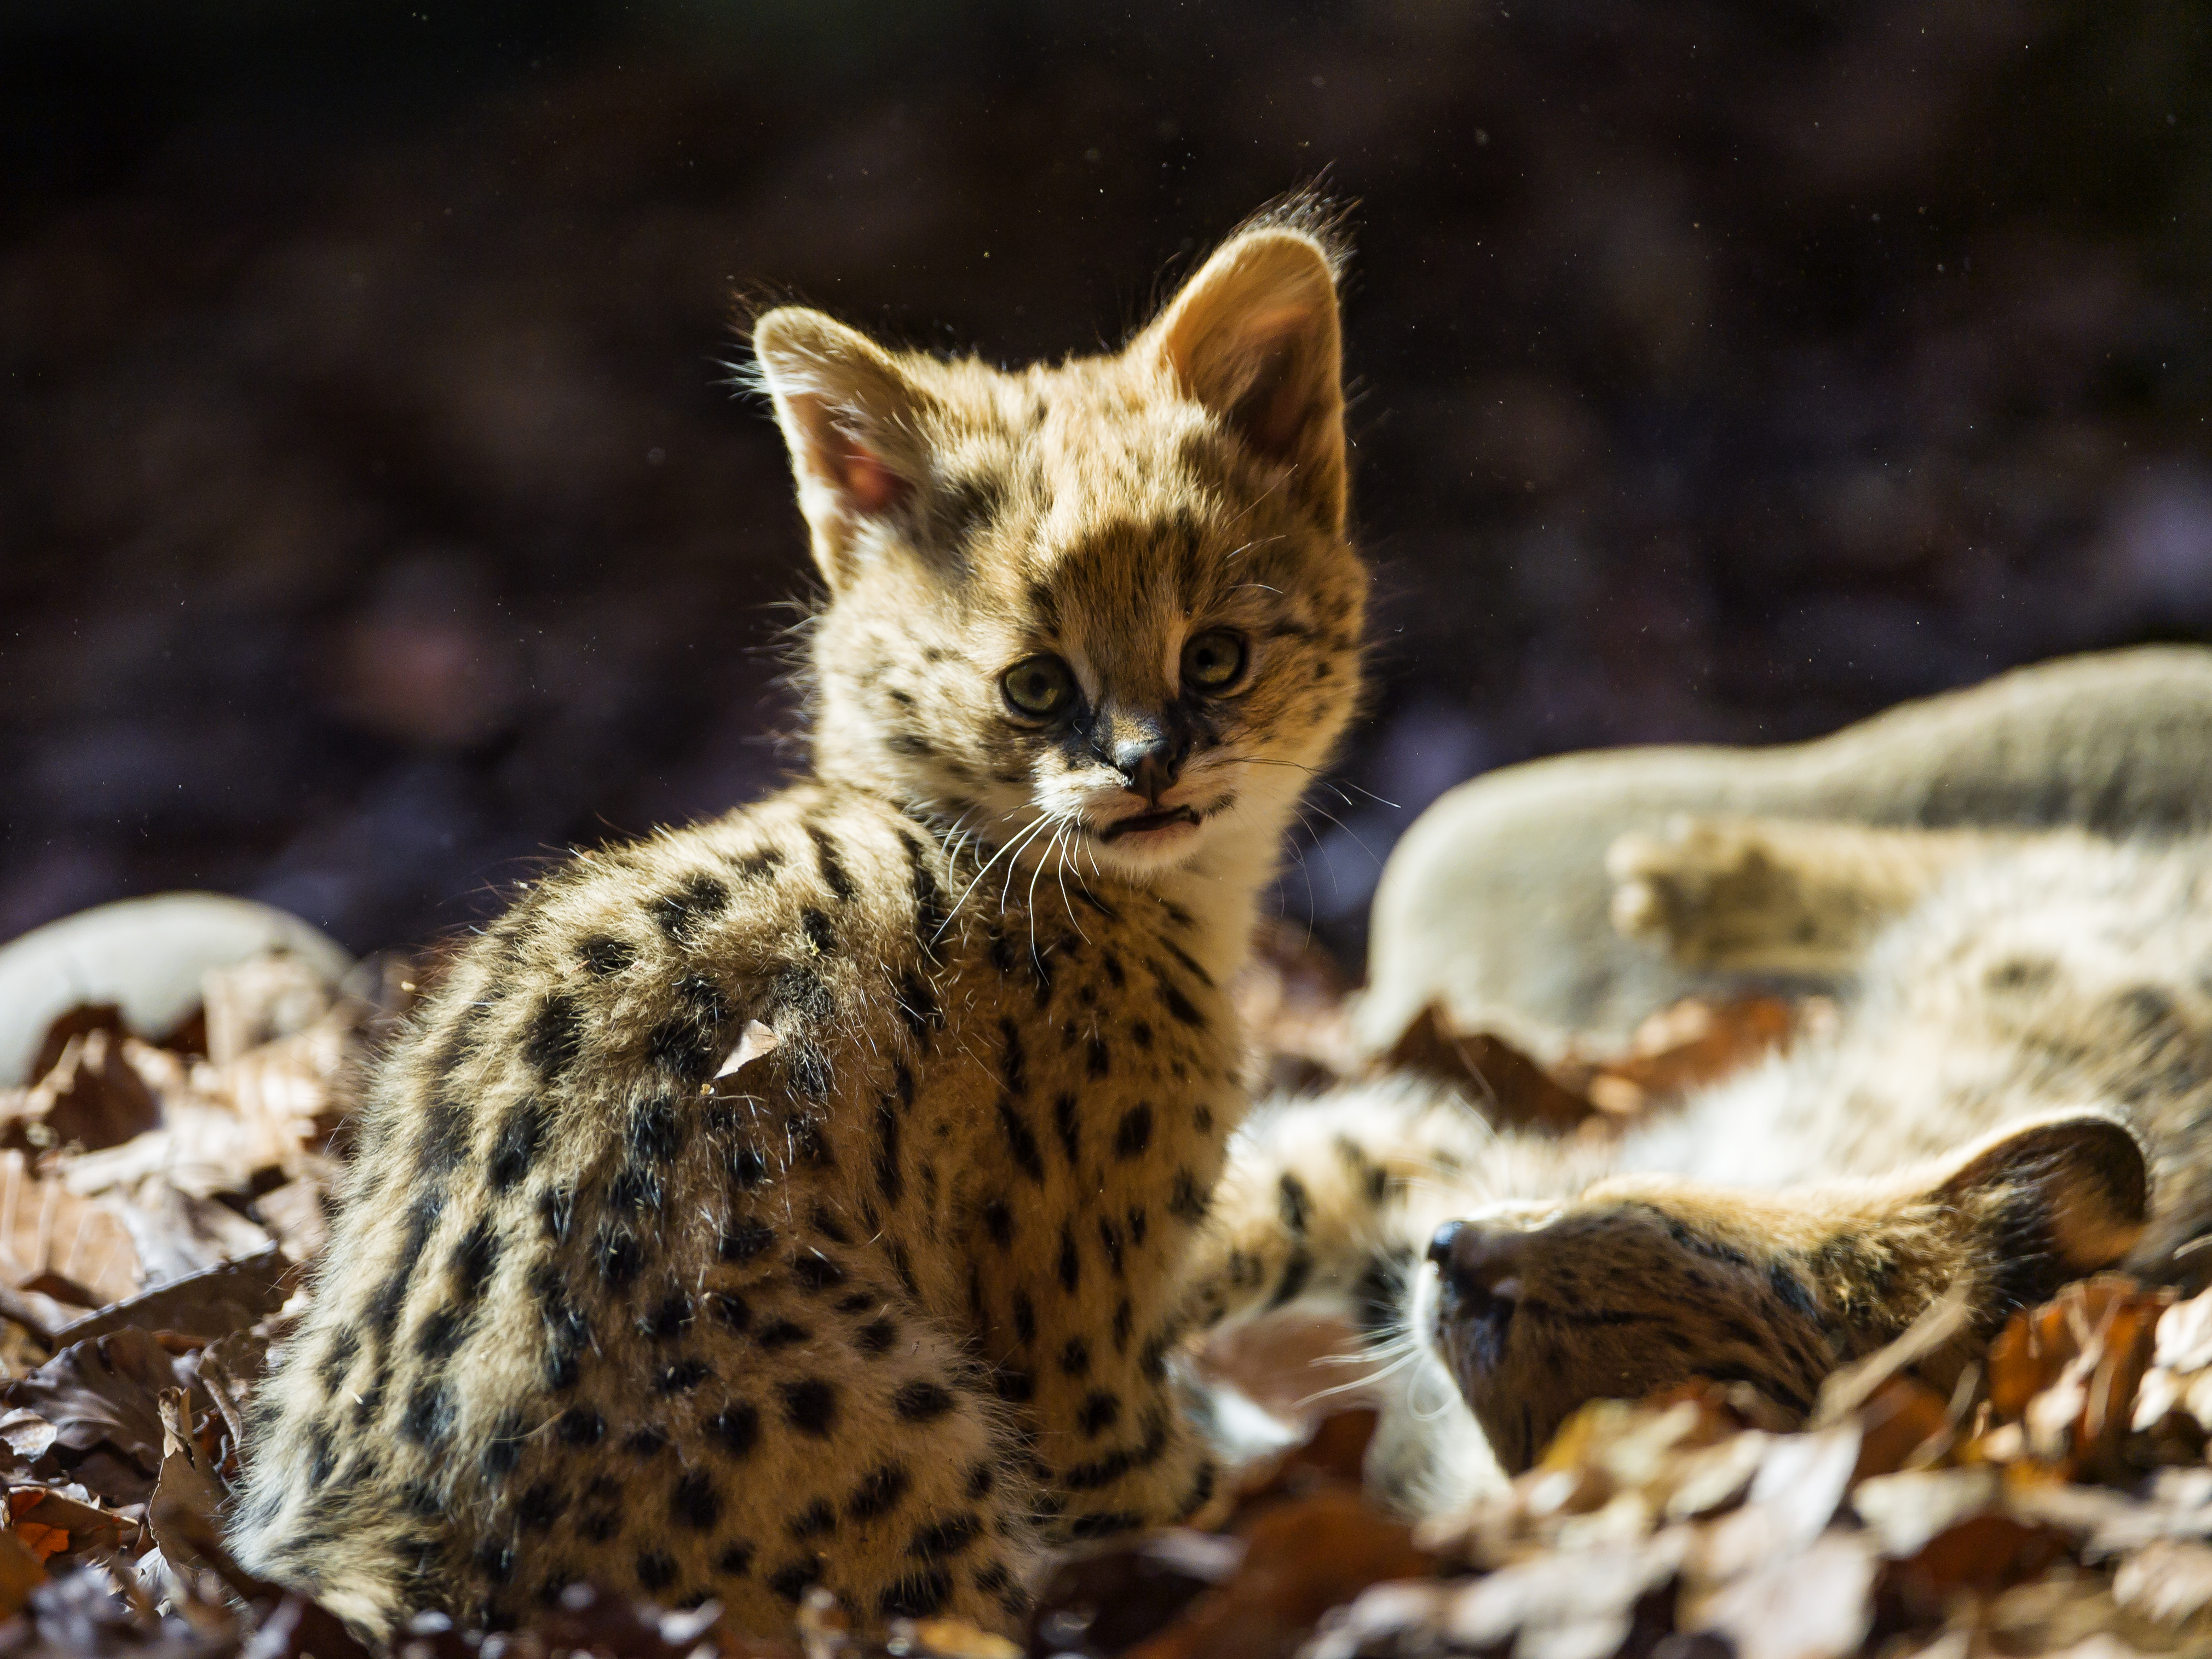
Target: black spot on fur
x: 744, y: 1240
x: 1071, y: 1264
x: 1178, y: 1005
x: 428, y: 1418
x: 921, y: 1401
x: 619, y: 1257
x: 735, y: 1561
x: 782, y: 1333
x: 580, y: 1426
x: 876, y: 1337
x: 445, y: 1139
x: 731, y: 1311
x: 683, y: 1049
x: 1297, y: 1270
x: 694, y: 1502
x: 1075, y: 1358
x: 816, y: 1520
x: 917, y: 1595
x: 556, y: 1213
x: 1134, y: 1133
x: 831, y: 862
x: 605, y: 957
x: 683, y: 1377
x: 646, y: 1442
x: 1109, y: 1240
x: 473, y: 1260
x: 701, y: 897
x: 656, y: 1131
x: 516, y: 1146
x: 540, y: 1507
x: 999, y: 1222
x: 1186, y: 1202
x: 1025, y: 1318
x: 877, y: 1492
x: 655, y: 1571
x: 943, y: 1539
x: 736, y: 1429
x: 1021, y: 1140
x: 439, y: 1334
x: 794, y: 1579
x: 1096, y: 1061
x: 670, y: 1317
x: 810, y: 1405
x: 1295, y: 1205
x: 1101, y: 1412
x: 1013, y: 1385
x: 816, y: 1272
x: 554, y: 1038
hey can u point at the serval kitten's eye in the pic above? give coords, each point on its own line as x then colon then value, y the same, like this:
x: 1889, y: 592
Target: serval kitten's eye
x: 1214, y: 660
x: 1039, y: 687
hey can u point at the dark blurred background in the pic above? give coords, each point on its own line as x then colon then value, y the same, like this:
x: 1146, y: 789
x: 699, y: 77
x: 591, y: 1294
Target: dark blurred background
x: 375, y: 518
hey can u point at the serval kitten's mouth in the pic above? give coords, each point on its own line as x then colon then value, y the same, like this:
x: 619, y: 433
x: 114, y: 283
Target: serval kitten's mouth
x: 1139, y: 822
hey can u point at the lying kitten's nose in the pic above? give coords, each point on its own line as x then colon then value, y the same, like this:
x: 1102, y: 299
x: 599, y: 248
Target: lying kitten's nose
x: 1481, y: 1265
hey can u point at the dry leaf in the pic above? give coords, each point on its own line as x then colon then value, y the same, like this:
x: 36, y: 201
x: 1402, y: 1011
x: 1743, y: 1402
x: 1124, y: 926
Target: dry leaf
x: 1302, y: 1557
x: 187, y: 1498
x: 756, y: 1042
x: 1510, y: 1087
x: 103, y: 1395
x: 22, y: 1569
x: 1791, y: 1605
x: 92, y: 1096
x: 2168, y: 1581
x: 45, y: 1228
x: 213, y: 1301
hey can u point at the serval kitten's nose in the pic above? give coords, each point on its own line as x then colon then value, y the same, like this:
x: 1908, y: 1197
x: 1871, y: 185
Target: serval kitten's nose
x: 1150, y: 768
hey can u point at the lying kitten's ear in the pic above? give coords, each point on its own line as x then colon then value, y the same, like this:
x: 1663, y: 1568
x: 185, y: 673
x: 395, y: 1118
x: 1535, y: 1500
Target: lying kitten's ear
x: 1252, y: 337
x: 2060, y: 1199
x: 848, y: 414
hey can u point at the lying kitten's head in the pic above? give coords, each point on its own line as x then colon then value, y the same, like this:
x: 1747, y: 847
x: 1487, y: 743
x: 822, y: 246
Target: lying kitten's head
x: 1644, y: 1281
x: 1104, y: 607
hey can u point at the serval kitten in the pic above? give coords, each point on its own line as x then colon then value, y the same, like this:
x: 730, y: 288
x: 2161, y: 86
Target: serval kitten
x: 798, y: 1198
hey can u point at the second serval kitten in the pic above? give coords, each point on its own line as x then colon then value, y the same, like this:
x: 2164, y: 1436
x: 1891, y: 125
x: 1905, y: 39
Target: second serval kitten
x: 798, y: 1199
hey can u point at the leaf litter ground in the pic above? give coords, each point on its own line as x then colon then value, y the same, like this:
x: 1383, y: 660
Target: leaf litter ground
x: 160, y: 1202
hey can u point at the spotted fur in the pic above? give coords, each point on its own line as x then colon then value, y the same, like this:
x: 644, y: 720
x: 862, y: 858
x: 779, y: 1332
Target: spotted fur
x: 2019, y: 1092
x: 798, y: 1199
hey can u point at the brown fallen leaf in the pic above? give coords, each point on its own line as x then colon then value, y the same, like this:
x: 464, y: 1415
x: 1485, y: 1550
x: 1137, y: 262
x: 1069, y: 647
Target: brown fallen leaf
x: 1680, y: 1047
x: 102, y: 1396
x: 212, y: 1303
x: 2066, y: 1372
x: 187, y: 1498
x: 21, y: 1570
x: 1301, y: 1558
x: 1106, y: 1597
x: 1511, y: 1088
x: 91, y: 1097
x: 47, y: 1229
x: 80, y: 1526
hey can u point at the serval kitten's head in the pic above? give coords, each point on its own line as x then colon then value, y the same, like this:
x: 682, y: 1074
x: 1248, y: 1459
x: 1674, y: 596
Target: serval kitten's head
x: 1103, y: 609
x: 1644, y: 1281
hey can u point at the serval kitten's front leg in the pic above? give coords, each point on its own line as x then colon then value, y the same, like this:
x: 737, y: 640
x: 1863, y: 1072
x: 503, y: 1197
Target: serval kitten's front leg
x: 1775, y: 895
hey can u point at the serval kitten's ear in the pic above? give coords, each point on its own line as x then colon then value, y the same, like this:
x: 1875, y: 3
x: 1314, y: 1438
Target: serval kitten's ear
x: 1254, y: 337
x: 2055, y: 1199
x: 848, y: 414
